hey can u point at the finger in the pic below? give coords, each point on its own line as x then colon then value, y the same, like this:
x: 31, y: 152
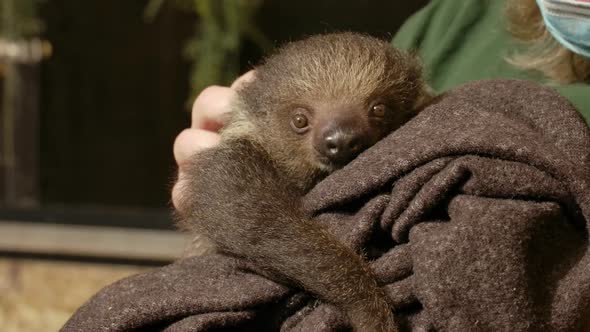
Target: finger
x: 245, y: 78
x: 211, y: 108
x: 177, y: 190
x: 191, y: 141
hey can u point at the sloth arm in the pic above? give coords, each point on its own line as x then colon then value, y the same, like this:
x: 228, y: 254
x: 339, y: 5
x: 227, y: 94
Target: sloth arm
x: 236, y: 197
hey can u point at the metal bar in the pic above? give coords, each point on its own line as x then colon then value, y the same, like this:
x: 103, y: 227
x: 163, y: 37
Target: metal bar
x: 91, y: 241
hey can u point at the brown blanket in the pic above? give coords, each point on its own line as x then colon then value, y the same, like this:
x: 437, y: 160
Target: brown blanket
x: 474, y: 214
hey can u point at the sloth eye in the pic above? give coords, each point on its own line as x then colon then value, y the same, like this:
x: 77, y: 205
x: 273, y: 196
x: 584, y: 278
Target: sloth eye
x: 299, y: 121
x: 379, y: 110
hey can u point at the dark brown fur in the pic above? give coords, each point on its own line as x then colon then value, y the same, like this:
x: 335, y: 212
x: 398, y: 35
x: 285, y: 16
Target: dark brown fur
x: 245, y: 195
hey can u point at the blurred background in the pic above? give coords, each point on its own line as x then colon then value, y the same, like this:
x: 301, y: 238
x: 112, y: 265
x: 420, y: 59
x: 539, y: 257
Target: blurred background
x: 92, y: 95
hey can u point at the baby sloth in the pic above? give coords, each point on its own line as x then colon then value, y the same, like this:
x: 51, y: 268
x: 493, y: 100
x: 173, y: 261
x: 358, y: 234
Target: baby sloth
x: 312, y: 107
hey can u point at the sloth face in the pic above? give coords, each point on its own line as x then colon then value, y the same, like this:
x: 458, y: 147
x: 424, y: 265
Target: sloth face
x: 333, y: 134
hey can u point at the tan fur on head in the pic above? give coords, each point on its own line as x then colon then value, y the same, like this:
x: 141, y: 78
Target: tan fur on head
x: 342, y: 67
x: 544, y: 53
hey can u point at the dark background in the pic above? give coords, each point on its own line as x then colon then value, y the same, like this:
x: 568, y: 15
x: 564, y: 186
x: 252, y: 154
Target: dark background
x: 114, y: 94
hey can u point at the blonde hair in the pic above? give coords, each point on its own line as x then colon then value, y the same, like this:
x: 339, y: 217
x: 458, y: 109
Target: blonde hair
x: 543, y: 53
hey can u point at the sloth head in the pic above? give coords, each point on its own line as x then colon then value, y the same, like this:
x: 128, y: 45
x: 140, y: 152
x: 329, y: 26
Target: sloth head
x: 317, y: 103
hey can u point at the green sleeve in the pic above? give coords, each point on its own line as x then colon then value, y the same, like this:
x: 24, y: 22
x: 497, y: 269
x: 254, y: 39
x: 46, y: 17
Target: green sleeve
x: 465, y: 40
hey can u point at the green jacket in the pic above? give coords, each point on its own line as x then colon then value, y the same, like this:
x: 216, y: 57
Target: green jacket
x: 464, y: 40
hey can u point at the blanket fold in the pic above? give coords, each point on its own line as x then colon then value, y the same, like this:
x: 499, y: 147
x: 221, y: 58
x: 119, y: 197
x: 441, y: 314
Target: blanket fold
x: 474, y: 216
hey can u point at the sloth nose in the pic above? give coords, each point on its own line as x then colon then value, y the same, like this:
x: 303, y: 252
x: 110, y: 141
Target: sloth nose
x: 341, y: 147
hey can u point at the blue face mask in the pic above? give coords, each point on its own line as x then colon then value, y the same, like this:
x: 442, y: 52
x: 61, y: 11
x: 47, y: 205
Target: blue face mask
x: 569, y: 23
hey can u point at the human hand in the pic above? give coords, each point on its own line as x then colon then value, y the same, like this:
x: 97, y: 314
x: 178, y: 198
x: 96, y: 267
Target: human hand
x: 209, y: 113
